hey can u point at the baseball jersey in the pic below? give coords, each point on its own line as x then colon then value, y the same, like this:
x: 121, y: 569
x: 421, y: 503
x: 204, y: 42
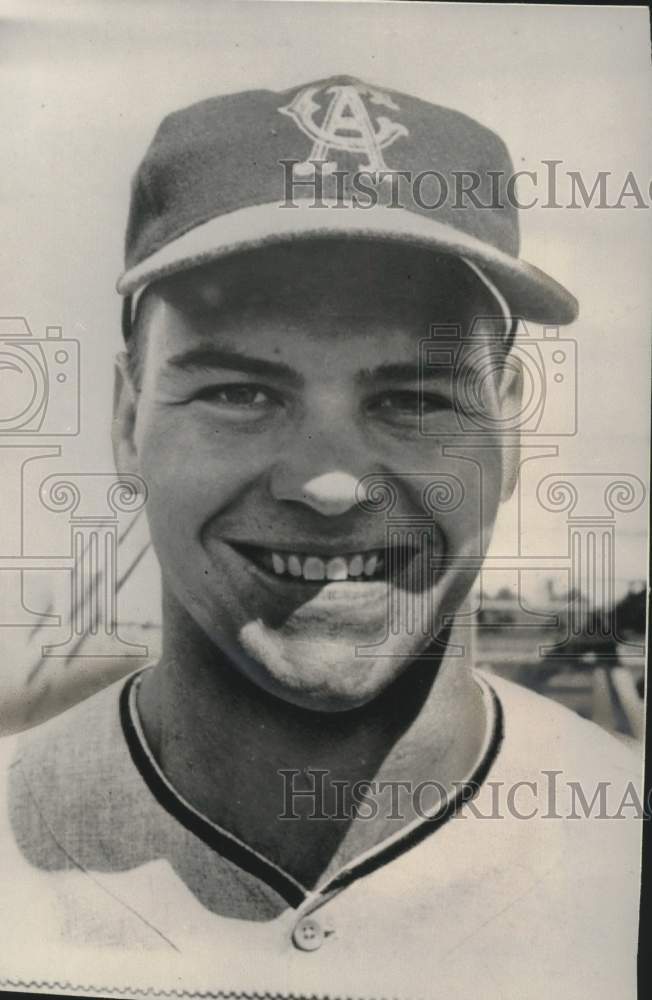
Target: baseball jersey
x: 112, y: 883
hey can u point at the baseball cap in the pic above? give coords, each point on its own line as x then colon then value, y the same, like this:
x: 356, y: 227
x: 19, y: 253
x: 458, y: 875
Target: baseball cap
x: 336, y: 158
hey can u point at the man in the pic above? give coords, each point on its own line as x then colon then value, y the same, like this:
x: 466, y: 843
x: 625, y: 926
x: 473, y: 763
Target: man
x: 298, y: 799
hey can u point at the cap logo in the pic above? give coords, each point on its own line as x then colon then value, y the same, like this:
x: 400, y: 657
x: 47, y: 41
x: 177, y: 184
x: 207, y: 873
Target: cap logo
x: 346, y: 124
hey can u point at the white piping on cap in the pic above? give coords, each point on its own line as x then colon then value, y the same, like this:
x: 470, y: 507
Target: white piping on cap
x: 504, y: 308
x: 135, y: 298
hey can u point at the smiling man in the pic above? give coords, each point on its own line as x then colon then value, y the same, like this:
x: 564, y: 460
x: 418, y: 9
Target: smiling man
x: 283, y: 380
x: 298, y: 799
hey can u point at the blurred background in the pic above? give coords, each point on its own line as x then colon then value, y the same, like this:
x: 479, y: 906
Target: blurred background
x: 84, y: 86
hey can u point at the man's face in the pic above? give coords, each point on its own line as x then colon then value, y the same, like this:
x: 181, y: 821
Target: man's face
x: 274, y: 383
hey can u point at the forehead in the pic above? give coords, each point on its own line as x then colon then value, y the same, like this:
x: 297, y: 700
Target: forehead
x: 377, y: 301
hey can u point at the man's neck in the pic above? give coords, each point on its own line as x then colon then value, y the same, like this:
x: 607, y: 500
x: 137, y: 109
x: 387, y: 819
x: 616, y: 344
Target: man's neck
x: 242, y: 757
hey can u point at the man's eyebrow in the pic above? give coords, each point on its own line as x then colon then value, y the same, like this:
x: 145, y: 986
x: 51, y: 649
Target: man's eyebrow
x: 402, y: 371
x: 209, y: 357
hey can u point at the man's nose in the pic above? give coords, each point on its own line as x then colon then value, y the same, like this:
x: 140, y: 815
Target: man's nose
x: 330, y: 493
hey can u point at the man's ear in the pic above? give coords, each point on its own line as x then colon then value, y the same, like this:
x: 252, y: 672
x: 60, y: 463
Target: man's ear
x: 510, y: 396
x: 125, y: 402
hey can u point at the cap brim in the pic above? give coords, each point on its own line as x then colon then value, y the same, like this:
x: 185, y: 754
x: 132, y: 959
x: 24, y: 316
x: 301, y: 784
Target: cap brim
x: 530, y: 293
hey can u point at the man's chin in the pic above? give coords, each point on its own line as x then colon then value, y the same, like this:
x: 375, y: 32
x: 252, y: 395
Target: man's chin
x: 329, y: 675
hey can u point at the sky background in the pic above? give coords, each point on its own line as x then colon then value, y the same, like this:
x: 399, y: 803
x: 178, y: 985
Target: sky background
x: 84, y: 85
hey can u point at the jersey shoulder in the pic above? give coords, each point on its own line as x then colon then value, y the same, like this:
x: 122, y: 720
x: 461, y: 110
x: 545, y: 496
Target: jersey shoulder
x: 59, y: 775
x: 540, y: 734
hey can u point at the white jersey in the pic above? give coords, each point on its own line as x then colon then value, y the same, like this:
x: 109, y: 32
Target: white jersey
x: 112, y: 883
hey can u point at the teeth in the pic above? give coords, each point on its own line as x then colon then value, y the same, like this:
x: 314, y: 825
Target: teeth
x: 336, y: 569
x: 294, y: 565
x: 370, y: 565
x: 278, y: 562
x: 356, y: 566
x: 315, y: 568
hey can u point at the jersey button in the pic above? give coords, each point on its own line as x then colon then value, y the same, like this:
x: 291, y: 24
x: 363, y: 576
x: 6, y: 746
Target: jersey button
x: 308, y: 935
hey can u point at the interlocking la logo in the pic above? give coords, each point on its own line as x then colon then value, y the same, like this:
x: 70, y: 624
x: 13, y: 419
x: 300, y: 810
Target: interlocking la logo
x: 346, y: 125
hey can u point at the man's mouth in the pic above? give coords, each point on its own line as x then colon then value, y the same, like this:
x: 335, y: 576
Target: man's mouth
x: 314, y: 567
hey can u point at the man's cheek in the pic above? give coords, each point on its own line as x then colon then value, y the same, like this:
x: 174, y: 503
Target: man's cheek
x: 192, y: 434
x: 187, y: 488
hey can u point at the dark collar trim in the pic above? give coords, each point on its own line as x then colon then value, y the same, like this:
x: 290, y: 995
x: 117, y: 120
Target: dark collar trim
x: 219, y: 840
x: 427, y: 826
x: 255, y: 864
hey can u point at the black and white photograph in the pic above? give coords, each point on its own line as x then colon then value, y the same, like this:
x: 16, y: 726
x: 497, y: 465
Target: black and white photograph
x: 324, y: 499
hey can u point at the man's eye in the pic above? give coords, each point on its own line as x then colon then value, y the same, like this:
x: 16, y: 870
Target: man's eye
x: 241, y: 395
x: 409, y: 405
